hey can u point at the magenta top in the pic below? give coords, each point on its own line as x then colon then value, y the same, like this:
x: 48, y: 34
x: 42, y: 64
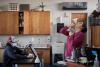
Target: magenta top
x: 74, y: 40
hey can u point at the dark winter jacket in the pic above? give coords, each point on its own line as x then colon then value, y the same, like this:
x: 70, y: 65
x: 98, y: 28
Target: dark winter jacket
x: 12, y: 53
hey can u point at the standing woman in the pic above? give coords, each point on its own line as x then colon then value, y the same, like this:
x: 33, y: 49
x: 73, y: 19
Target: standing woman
x: 75, y: 36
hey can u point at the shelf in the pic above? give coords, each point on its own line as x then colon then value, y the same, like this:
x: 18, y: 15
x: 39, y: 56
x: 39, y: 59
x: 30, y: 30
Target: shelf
x: 21, y: 27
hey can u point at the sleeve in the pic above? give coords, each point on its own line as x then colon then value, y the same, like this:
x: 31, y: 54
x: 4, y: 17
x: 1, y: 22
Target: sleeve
x: 10, y: 53
x: 64, y: 31
x: 19, y: 56
x: 78, y: 40
x: 20, y: 53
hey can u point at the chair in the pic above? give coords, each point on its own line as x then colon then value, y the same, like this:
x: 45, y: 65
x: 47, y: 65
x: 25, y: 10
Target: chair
x: 57, y: 52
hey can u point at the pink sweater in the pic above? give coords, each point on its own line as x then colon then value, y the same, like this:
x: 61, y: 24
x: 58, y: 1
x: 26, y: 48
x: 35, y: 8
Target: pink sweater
x: 74, y: 40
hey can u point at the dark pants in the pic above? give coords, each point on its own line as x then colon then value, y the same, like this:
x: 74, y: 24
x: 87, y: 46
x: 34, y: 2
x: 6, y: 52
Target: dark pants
x: 58, y: 65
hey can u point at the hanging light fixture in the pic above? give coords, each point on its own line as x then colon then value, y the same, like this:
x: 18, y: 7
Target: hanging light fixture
x: 42, y: 6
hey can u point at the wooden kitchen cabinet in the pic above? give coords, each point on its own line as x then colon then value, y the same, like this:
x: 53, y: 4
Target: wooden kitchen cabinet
x: 95, y: 35
x: 26, y: 22
x: 36, y: 22
x: 8, y: 22
x: 45, y: 53
x: 44, y: 24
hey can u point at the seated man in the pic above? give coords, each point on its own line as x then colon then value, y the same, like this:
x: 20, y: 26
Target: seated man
x: 12, y: 52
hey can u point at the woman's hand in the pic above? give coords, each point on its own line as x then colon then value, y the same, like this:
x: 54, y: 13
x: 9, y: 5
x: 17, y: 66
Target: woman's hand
x: 71, y: 33
x: 72, y: 25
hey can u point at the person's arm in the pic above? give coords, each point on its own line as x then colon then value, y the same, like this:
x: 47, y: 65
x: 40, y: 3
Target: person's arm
x: 20, y: 53
x: 19, y: 56
x: 64, y: 31
x: 78, y: 40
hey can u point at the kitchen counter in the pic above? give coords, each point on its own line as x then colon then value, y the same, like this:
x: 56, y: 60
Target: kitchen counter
x: 27, y: 62
x: 24, y: 61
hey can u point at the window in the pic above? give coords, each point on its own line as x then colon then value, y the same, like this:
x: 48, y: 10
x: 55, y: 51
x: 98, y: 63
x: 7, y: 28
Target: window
x: 13, y: 6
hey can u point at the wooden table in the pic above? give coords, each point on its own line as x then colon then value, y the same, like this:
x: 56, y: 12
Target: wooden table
x: 71, y: 64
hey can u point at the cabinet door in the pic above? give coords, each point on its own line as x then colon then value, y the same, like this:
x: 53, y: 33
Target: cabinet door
x: 12, y: 24
x: 45, y: 54
x: 36, y: 22
x: 3, y: 22
x: 26, y: 22
x: 9, y: 22
x: 95, y: 36
x: 44, y: 23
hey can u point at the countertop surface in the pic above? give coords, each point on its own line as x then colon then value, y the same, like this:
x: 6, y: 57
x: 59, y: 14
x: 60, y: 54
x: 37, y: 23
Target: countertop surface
x: 25, y: 61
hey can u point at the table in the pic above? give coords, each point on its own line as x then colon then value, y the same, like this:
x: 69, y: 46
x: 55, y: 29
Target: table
x: 27, y: 63
x: 71, y: 64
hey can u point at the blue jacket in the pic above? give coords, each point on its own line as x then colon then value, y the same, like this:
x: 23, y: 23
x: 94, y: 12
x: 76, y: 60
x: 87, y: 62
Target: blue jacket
x: 12, y: 53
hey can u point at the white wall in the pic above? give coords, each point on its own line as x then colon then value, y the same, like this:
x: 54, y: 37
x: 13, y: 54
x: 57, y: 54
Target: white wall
x: 52, y: 6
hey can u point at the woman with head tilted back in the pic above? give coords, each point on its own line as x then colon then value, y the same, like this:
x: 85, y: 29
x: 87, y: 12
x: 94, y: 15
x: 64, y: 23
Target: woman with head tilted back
x: 75, y: 36
x: 75, y: 33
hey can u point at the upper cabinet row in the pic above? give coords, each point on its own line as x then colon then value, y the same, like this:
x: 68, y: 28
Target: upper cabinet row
x: 27, y: 22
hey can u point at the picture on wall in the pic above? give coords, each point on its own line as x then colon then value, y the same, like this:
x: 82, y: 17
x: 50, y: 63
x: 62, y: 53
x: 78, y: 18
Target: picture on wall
x: 73, y: 6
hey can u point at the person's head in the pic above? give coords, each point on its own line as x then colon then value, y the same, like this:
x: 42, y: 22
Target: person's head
x: 11, y: 41
x: 81, y: 25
